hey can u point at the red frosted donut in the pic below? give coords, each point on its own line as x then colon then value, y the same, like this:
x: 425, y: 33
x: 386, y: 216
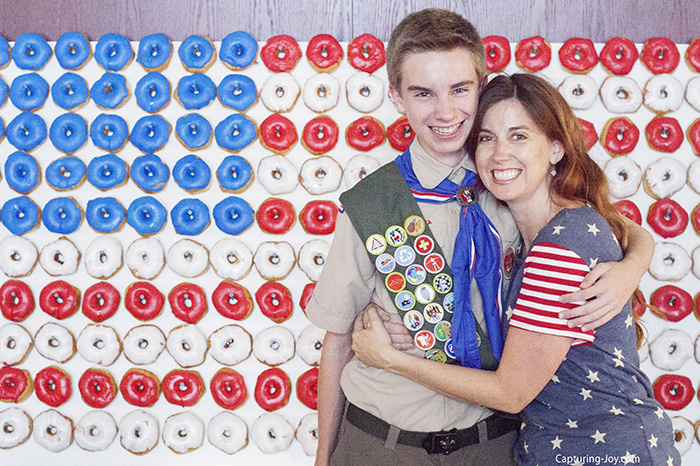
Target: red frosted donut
x: 307, y: 388
x: 578, y: 55
x: 183, y: 388
x: 52, y: 386
x: 15, y: 384
x: 533, y: 53
x: 365, y: 133
x: 16, y: 300
x: 673, y: 391
x: 143, y: 301
x: 692, y: 55
x: 272, y: 389
x: 318, y: 217
x: 671, y: 303
x: 306, y: 295
x: 97, y: 388
x: 400, y: 134
x: 619, y: 55
x: 280, y: 53
x: 101, y: 301
x: 497, y: 52
x: 320, y: 135
x: 275, y: 301
x: 590, y: 136
x: 278, y: 134
x: 667, y: 218
x: 693, y: 134
x: 188, y: 302
x: 695, y: 220
x: 59, y: 299
x: 232, y: 300
x: 366, y: 53
x: 619, y: 136
x: 664, y: 134
x: 660, y: 55
x: 140, y: 387
x: 228, y: 389
x: 275, y: 216
x: 630, y: 210
x: 324, y: 53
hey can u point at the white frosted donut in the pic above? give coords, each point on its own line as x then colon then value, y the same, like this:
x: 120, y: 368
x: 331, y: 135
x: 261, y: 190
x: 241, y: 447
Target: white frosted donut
x: 579, y: 90
x: 693, y: 178
x: 227, y: 432
x: 95, y: 431
x: 274, y: 260
x: 312, y: 256
x: 320, y: 175
x: 624, y: 176
x: 277, y: 175
x: 231, y: 259
x: 187, y: 345
x: 15, y: 344
x: 683, y: 432
x: 696, y: 262
x: 272, y: 433
x: 321, y: 92
x: 183, y: 432
x: 145, y: 258
x: 60, y: 257
x: 274, y: 345
x: 99, y: 344
x: 104, y: 257
x: 663, y: 93
x: 188, y: 258
x: 365, y: 92
x: 692, y: 93
x: 643, y: 352
x: 671, y: 262
x: 310, y: 344
x: 307, y: 433
x: 55, y: 342
x: 670, y: 350
x: 664, y: 177
x: 16, y: 427
x: 18, y: 256
x: 53, y: 430
x: 138, y: 432
x: 599, y: 155
x: 358, y: 167
x: 143, y: 344
x: 621, y: 94
x: 230, y: 344
x: 280, y: 92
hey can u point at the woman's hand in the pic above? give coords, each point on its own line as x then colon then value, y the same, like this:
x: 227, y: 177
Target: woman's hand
x: 370, y: 340
x: 400, y: 338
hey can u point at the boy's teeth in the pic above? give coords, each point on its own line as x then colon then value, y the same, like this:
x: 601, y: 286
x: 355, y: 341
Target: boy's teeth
x: 505, y: 175
x: 445, y: 131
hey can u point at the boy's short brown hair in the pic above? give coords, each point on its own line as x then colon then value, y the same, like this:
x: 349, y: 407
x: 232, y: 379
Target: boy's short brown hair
x: 431, y: 30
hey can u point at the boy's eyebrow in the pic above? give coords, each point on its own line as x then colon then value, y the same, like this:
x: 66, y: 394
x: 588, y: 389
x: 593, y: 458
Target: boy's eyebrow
x: 419, y: 88
x: 466, y: 83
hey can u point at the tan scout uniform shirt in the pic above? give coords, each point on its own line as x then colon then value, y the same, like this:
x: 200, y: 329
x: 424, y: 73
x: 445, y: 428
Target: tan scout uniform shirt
x: 349, y: 281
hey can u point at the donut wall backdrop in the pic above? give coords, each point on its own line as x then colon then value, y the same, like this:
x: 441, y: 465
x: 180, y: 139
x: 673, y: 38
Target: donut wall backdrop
x: 275, y: 443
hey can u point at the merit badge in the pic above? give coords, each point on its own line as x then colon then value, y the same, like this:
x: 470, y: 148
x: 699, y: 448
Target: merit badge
x: 442, y: 283
x: 443, y: 330
x: 424, y: 340
x: 436, y: 355
x: 415, y: 274
x: 449, y: 349
x: 405, y: 300
x: 433, y: 313
x: 425, y: 293
x: 396, y: 236
x: 385, y: 263
x: 424, y: 245
x: 449, y: 302
x: 395, y: 282
x: 508, y: 261
x: 466, y: 196
x: 413, y: 320
x: 376, y: 244
x: 405, y: 255
x: 414, y: 225
x: 478, y: 338
x: 434, y: 262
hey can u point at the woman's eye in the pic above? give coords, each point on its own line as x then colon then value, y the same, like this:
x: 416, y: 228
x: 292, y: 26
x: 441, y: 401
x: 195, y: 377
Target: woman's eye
x: 484, y: 138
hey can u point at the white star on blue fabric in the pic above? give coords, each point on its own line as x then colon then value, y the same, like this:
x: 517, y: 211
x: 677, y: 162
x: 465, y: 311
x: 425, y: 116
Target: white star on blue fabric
x: 572, y: 424
x: 629, y: 321
x: 629, y: 458
x: 556, y: 443
x: 593, y: 229
x: 558, y: 229
x: 593, y: 263
x: 618, y: 353
x: 586, y: 394
x: 660, y: 412
x: 593, y: 376
x: 598, y: 437
x: 652, y: 441
x: 616, y: 411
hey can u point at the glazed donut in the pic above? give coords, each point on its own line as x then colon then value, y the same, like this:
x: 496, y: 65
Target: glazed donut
x: 28, y: 92
x: 18, y: 256
x: 660, y: 55
x: 667, y: 218
x: 318, y: 217
x: 693, y: 135
x: 59, y: 299
x: 103, y: 257
x: 275, y: 301
x: 187, y: 345
x: 183, y: 388
x: 238, y: 50
x: 233, y: 215
x: 150, y: 133
x: 16, y: 300
x: 15, y: 344
x: 533, y: 54
x: 234, y: 174
x: 598, y: 155
x: 275, y: 216
x: 145, y: 258
x: 307, y: 388
x: 195, y: 92
x: 683, y: 431
x: 138, y: 432
x: 188, y: 258
x: 673, y: 391
x: 155, y: 51
x: 188, y: 302
x: 146, y: 215
x: 272, y: 433
x: 20, y: 215
x: 107, y: 172
x: 152, y: 92
x: 55, y: 342
x: 230, y: 344
x: 670, y: 350
x: 692, y: 93
x: 320, y: 175
x: 70, y: 91
x: 280, y: 53
x: 31, y: 51
x: 109, y: 132
x: 238, y: 92
x: 320, y: 135
x: 497, y: 54
x: 227, y: 432
x: 280, y: 92
x: 228, y: 389
x: 193, y: 131
x: 72, y: 50
x: 110, y: 92
x: 52, y: 386
x: 399, y: 134
x: 183, y: 432
x: 231, y: 259
x: 309, y: 345
x: 232, y: 300
x: 235, y: 132
x: 619, y: 55
x: 277, y: 175
x: 99, y: 344
x: 143, y: 344
x: 101, y: 301
x: 306, y: 295
x: 664, y: 177
x: 143, y: 301
x: 364, y: 134
x: 695, y: 218
x: 359, y: 167
x: 365, y: 92
x: 366, y: 53
x: 95, y: 431
x: 696, y: 262
x: 671, y: 303
x: 190, y: 217
x: 321, y: 92
x: 197, y: 54
x: 66, y: 173
x: 140, y: 387
x: 278, y: 134
x: 324, y: 53
x: 663, y: 93
x: 113, y: 52
x: 274, y: 346
x: 53, y: 430
x: 578, y: 55
x: 26, y: 131
x: 105, y: 214
x: 62, y: 215
x: 630, y: 210
x: 274, y: 260
x: 619, y: 136
x: 664, y: 134
x: 17, y: 427
x: 273, y: 389
x: 97, y: 388
x: 307, y: 433
x: 579, y: 91
x: 16, y: 385
x: 22, y: 172
x: 312, y: 256
x: 621, y: 94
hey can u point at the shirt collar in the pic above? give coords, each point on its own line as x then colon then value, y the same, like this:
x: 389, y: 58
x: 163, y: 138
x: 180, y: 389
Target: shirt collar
x: 430, y: 172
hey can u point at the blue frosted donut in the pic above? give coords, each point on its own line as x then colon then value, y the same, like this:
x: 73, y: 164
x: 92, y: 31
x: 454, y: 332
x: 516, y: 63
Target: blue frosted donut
x: 150, y: 133
x: 110, y: 91
x: 22, y: 172
x: 192, y: 174
x: 234, y: 174
x: 195, y: 91
x: 105, y: 214
x: 113, y: 52
x: 238, y: 92
x: 238, y: 50
x: 29, y: 91
x: 62, y: 215
x: 233, y: 215
x: 68, y: 132
x: 31, y: 51
x: 150, y: 173
x: 155, y: 51
x: 5, y: 53
x: 20, y: 215
x: 72, y: 50
x: 193, y: 131
x: 107, y: 171
x: 190, y: 217
x: 235, y: 132
x: 3, y: 90
x: 70, y: 91
x: 152, y: 92
x: 2, y: 129
x: 26, y: 131
x: 109, y: 132
x: 197, y: 53
x: 66, y: 173
x: 146, y: 215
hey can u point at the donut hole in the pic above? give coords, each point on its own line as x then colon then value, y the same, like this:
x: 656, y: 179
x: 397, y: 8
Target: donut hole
x: 620, y: 134
x: 30, y: 51
x: 274, y: 299
x: 271, y: 433
x: 669, y: 260
x: 107, y: 131
x: 226, y: 433
x: 237, y: 131
x: 65, y: 173
x: 186, y: 345
x: 188, y: 256
x: 579, y: 54
x: 104, y: 213
x: 665, y: 133
x: 678, y: 436
x: 364, y: 131
x: 69, y: 90
x: 152, y: 91
x: 231, y: 258
x: 142, y: 343
x: 112, y: 52
x: 279, y: 91
x: 320, y: 173
x: 16, y: 256
x: 182, y: 386
x: 58, y: 258
x: 137, y: 432
x: 51, y: 385
x: 54, y: 343
x: 187, y: 300
x: 10, y: 343
x: 277, y: 174
x: 98, y: 343
x: 232, y: 300
x: 366, y: 51
x: 237, y: 91
x: 672, y: 348
x: 275, y: 345
x: 143, y: 299
x: 182, y: 433
x: 196, y: 52
x: 281, y: 52
x: 58, y: 299
x: 318, y: 345
x: 663, y: 93
x: 622, y: 94
x: 51, y: 430
x: 365, y: 91
x: 194, y: 89
x: 321, y: 91
x: 319, y: 133
x: 319, y: 259
x: 94, y: 431
x: 578, y: 91
x: 274, y: 259
x: 8, y: 428
x: 193, y: 132
x: 109, y: 88
x: 533, y: 52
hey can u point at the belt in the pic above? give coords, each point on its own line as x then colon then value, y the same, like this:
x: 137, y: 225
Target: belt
x: 444, y: 442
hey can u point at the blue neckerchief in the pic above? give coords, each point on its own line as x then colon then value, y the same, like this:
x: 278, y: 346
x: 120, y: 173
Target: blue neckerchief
x: 477, y: 254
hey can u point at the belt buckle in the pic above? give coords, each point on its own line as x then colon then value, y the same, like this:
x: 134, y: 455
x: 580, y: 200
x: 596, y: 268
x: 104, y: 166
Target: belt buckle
x: 441, y: 442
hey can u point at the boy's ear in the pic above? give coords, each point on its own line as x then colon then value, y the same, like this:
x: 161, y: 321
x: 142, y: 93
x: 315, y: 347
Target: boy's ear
x: 395, y: 97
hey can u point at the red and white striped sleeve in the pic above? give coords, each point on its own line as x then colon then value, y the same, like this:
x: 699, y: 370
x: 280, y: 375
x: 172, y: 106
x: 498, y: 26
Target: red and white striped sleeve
x: 550, y: 271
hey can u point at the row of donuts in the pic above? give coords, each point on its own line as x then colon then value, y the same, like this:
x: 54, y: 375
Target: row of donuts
x: 672, y: 304
x: 671, y: 262
x: 671, y: 349
x: 139, y: 431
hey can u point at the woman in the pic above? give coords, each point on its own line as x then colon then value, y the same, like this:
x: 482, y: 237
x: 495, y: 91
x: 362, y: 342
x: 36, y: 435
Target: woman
x: 582, y: 396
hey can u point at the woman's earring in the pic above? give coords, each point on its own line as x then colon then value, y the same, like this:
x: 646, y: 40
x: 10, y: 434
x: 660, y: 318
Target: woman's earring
x: 553, y: 171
